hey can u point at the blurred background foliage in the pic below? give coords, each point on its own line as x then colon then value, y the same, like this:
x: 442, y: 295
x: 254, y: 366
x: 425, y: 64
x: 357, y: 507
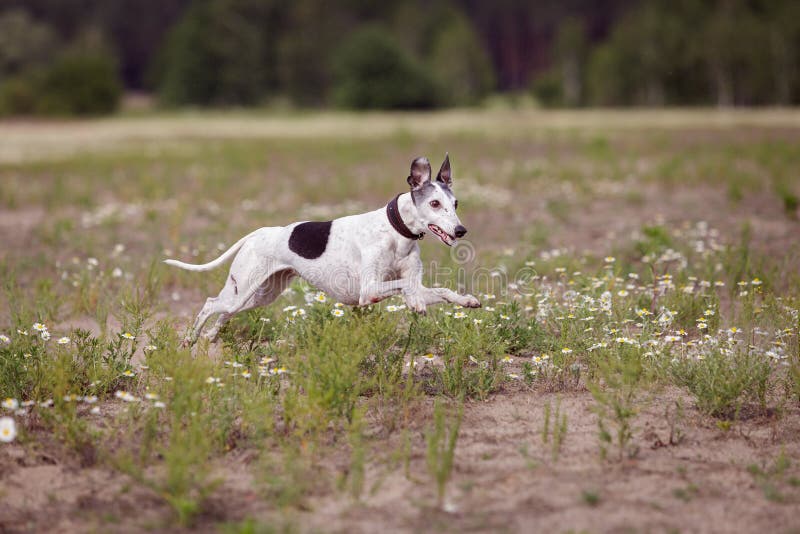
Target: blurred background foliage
x: 80, y: 57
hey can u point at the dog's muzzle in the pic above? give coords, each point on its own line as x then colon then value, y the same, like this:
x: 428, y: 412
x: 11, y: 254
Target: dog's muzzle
x: 460, y: 231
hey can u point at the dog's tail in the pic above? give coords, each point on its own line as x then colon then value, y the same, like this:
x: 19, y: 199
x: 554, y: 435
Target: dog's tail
x: 215, y: 263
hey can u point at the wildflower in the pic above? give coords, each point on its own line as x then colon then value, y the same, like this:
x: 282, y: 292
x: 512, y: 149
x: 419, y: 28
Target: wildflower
x: 128, y: 335
x: 71, y: 398
x: 8, y: 430
x: 149, y: 348
x: 266, y: 360
x: 45, y: 335
x: 39, y: 327
x: 22, y: 332
x: 477, y: 321
x: 566, y: 350
x: 4, y: 339
x: 116, y: 273
x: 507, y: 359
x: 609, y: 259
x: 125, y: 396
x: 513, y: 376
x: 90, y: 399
x: 391, y: 308
x: 756, y: 282
x: 63, y: 340
x: 278, y: 371
x: 95, y: 410
x: 708, y: 312
x: 245, y: 374
x: 159, y: 404
x: 459, y: 315
x: 212, y: 380
x: 643, y: 312
x: 337, y: 312
x: 672, y: 339
x: 320, y: 297
x: 412, y: 363
x: 504, y: 317
x: 622, y: 293
x: 719, y: 283
x: 92, y: 263
x: 128, y: 373
x: 428, y: 357
x: 489, y: 308
x: 289, y: 308
x: 300, y: 312
x: 10, y: 404
x: 151, y: 396
x: 733, y: 330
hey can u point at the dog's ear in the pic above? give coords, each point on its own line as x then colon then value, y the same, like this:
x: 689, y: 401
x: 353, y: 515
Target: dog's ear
x: 420, y: 173
x: 444, y: 175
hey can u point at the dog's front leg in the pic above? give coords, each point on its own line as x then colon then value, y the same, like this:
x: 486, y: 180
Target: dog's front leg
x: 435, y: 295
x: 373, y: 291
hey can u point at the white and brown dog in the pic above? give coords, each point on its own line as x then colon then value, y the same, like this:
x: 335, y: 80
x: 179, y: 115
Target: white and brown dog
x: 358, y: 260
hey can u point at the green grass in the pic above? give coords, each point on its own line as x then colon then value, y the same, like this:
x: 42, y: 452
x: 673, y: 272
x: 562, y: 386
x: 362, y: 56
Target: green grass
x: 329, y: 403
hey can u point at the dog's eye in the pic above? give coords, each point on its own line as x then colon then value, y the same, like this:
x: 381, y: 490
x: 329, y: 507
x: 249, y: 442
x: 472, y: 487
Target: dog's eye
x: 435, y: 203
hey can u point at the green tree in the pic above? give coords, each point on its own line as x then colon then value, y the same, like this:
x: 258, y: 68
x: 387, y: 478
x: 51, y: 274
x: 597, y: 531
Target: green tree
x: 570, y: 48
x: 460, y: 62
x: 24, y: 43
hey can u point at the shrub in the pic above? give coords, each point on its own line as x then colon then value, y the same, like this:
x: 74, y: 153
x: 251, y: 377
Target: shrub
x: 372, y: 71
x: 80, y: 83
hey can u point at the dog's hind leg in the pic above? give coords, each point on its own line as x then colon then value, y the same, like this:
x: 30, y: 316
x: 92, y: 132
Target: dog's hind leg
x: 264, y: 294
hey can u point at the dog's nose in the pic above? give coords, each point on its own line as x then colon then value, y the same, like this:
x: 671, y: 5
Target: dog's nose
x: 460, y: 231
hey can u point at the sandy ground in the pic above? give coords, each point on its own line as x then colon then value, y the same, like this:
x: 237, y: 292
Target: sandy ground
x: 505, y: 479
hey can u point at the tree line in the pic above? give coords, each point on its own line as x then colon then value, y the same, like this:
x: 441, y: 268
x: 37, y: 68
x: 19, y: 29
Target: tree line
x: 79, y: 56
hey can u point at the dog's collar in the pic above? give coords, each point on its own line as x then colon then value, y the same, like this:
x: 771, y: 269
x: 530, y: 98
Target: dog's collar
x: 393, y: 214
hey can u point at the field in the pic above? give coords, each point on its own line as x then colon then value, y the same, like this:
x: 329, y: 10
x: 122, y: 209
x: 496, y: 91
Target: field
x: 635, y: 366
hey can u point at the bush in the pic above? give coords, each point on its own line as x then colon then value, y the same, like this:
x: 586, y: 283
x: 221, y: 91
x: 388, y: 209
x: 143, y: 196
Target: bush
x: 80, y: 83
x: 547, y: 90
x: 372, y: 71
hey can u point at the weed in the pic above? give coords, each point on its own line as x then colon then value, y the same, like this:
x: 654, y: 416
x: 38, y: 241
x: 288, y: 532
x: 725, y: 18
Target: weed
x: 441, y: 438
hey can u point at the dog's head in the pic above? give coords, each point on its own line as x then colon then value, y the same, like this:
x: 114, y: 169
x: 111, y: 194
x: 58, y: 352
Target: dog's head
x: 435, y: 202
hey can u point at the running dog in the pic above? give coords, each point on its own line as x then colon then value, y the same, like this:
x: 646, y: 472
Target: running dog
x: 358, y: 260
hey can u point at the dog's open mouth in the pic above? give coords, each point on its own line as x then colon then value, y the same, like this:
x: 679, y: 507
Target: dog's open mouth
x: 446, y: 238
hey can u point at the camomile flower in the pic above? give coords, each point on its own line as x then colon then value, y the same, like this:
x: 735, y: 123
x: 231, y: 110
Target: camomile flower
x: 63, y: 341
x: 459, y: 315
x: 299, y: 312
x: 128, y: 335
x: 128, y: 373
x: 321, y: 297
x: 507, y: 359
x: 488, y: 308
x: 504, y: 317
x: 566, y: 350
x: 151, y: 396
x: 391, y: 308
x: 477, y: 321
x: 609, y: 259
x: 245, y: 374
x: 4, y: 339
x: 159, y: 404
x: 39, y: 327
x: 212, y: 380
x: 125, y: 396
x: 428, y: 357
x: 95, y: 410
x: 337, y: 312
x: 149, y: 348
x: 622, y: 293
x: 289, y: 308
x: 90, y: 399
x: 10, y: 404
x: 8, y: 430
x: 756, y: 282
x: 22, y: 332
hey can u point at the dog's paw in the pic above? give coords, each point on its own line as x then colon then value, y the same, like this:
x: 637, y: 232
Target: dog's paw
x: 468, y: 301
x: 415, y: 302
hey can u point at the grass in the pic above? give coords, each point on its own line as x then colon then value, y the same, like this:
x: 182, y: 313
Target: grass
x: 92, y: 320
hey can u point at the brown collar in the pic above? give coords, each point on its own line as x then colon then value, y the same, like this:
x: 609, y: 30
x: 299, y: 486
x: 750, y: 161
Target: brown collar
x: 393, y: 214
